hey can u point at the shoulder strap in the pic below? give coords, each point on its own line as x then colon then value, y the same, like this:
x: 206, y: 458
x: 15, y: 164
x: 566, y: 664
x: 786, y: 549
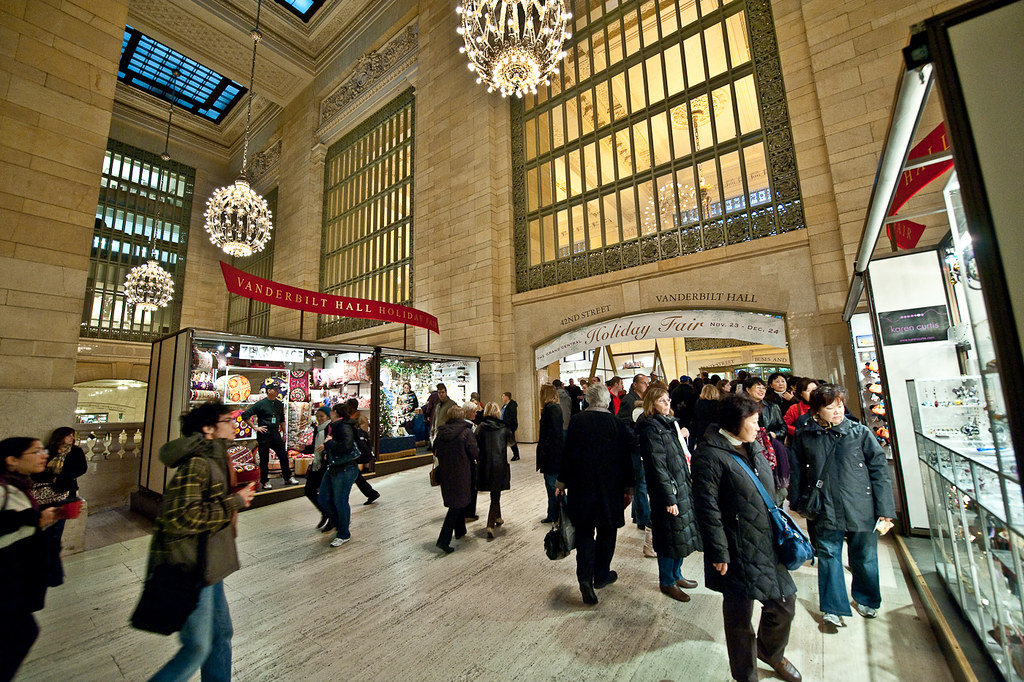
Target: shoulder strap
x: 828, y: 460
x: 757, y: 482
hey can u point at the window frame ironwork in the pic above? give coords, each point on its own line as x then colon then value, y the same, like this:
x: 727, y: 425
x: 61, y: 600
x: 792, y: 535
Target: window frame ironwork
x: 360, y: 251
x: 142, y: 203
x: 774, y: 135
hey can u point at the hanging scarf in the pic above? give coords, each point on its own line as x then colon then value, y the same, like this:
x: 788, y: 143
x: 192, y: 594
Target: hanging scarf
x: 766, y: 442
x: 56, y: 463
x: 22, y: 483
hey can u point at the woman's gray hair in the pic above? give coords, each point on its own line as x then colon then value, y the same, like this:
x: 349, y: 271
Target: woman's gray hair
x: 598, y: 396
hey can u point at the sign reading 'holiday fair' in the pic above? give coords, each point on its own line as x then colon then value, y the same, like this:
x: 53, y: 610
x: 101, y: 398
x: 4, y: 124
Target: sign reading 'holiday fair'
x: 756, y: 328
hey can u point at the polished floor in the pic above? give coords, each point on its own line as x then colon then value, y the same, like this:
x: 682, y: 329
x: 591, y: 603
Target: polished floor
x: 389, y: 606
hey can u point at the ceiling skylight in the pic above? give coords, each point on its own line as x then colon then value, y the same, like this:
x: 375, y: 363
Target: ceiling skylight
x: 148, y: 65
x: 303, y: 9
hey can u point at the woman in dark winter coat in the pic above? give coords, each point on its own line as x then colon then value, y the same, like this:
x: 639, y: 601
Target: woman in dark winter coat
x: 597, y: 477
x: 550, y: 444
x: 673, y: 524
x: 22, y: 550
x: 739, y: 545
x: 316, y: 471
x: 493, y: 473
x: 704, y: 412
x: 55, y: 485
x: 456, y: 449
x: 772, y: 430
x: 856, y: 494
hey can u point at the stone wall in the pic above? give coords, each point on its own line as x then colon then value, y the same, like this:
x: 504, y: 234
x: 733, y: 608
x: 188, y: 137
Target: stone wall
x: 57, y: 81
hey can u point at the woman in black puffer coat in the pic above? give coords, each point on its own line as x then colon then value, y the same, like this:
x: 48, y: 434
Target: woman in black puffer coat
x: 703, y: 414
x: 673, y: 523
x: 739, y: 544
x: 493, y: 473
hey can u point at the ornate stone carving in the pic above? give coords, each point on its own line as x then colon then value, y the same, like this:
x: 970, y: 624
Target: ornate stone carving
x: 263, y: 161
x: 369, y: 70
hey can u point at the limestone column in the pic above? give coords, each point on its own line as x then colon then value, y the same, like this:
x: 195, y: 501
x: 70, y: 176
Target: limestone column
x: 57, y: 77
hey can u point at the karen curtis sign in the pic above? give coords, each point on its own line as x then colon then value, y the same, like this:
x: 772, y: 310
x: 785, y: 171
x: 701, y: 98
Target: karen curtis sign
x: 756, y: 328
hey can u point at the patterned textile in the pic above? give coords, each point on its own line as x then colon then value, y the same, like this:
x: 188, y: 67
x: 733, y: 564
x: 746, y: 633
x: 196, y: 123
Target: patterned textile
x: 202, y: 396
x: 201, y: 360
x: 298, y: 420
x: 234, y: 388
x: 347, y: 371
x: 243, y: 461
x: 298, y: 385
x: 275, y: 382
x: 242, y: 428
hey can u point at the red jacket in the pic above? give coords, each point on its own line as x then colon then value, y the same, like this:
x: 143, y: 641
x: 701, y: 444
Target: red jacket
x: 795, y: 411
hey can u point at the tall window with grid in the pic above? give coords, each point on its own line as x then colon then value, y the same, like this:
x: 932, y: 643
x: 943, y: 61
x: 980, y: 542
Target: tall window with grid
x: 665, y: 133
x: 260, y: 264
x: 143, y: 213
x: 367, y: 228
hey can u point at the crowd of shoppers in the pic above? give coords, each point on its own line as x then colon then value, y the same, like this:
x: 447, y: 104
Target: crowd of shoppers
x: 684, y: 457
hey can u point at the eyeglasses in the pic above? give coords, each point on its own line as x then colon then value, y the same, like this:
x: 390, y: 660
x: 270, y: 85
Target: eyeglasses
x: 229, y: 420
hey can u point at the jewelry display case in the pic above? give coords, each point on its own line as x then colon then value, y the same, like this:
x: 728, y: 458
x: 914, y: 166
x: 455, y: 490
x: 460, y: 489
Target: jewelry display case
x: 976, y: 511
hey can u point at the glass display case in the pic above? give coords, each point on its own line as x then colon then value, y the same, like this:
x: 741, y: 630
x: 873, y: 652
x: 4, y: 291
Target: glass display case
x: 976, y: 511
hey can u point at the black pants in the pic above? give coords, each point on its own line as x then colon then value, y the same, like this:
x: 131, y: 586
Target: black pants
x: 514, y: 445
x: 454, y: 522
x: 18, y: 631
x: 312, y: 488
x: 594, y: 556
x: 365, y: 488
x: 494, y: 513
x: 772, y: 633
x: 265, y: 441
x: 471, y: 509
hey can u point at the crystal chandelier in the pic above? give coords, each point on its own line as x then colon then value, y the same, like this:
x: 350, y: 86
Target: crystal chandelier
x: 237, y: 218
x: 149, y: 286
x: 513, y: 45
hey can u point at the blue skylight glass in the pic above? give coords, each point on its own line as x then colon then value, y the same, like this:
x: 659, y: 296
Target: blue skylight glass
x: 147, y: 65
x: 303, y: 9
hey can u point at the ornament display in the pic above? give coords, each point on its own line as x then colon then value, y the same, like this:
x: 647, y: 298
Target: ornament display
x: 234, y: 388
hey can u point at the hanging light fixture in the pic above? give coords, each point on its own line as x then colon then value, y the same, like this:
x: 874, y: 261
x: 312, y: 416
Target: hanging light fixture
x: 237, y: 218
x: 513, y: 45
x: 149, y: 286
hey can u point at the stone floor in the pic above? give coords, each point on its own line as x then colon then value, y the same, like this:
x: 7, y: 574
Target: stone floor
x: 389, y: 606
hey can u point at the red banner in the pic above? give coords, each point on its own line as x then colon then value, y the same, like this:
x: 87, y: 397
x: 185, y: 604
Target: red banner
x: 265, y: 291
x: 913, y: 181
x: 908, y: 233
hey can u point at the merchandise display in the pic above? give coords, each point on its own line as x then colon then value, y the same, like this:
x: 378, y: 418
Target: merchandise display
x: 238, y: 370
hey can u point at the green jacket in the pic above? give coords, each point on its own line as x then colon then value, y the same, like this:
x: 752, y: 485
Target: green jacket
x: 197, y: 500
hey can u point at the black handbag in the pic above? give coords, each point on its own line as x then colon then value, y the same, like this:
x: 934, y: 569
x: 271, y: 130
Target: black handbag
x: 561, y: 539
x: 170, y: 595
x: 812, y: 507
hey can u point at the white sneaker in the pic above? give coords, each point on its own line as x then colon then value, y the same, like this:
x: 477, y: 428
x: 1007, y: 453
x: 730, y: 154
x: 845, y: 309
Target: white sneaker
x: 267, y: 486
x: 867, y: 611
x: 649, y: 544
x: 292, y: 481
x: 338, y: 542
x: 833, y: 619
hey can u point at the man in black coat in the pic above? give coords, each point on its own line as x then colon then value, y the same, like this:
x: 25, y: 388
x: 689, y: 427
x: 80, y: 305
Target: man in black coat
x: 576, y: 394
x: 683, y: 399
x: 510, y: 415
x: 597, y: 478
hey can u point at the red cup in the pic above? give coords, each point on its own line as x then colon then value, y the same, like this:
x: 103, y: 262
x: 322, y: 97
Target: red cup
x: 72, y: 509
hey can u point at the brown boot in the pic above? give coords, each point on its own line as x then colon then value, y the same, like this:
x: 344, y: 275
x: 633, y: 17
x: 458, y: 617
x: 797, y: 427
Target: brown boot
x: 674, y: 592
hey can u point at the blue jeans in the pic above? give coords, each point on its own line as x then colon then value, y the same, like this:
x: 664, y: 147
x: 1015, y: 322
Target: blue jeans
x: 863, y: 550
x: 549, y: 484
x: 205, y: 641
x: 641, y: 505
x: 669, y: 570
x: 334, y: 492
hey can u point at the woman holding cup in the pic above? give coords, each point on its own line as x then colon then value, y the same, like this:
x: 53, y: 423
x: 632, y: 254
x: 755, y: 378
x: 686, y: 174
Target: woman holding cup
x: 55, y: 485
x: 22, y: 550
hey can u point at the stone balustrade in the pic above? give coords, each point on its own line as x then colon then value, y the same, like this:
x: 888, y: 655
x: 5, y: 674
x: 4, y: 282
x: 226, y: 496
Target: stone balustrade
x: 116, y: 440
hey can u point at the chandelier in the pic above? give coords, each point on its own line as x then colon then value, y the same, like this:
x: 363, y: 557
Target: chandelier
x: 149, y: 286
x: 237, y: 218
x: 513, y: 45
